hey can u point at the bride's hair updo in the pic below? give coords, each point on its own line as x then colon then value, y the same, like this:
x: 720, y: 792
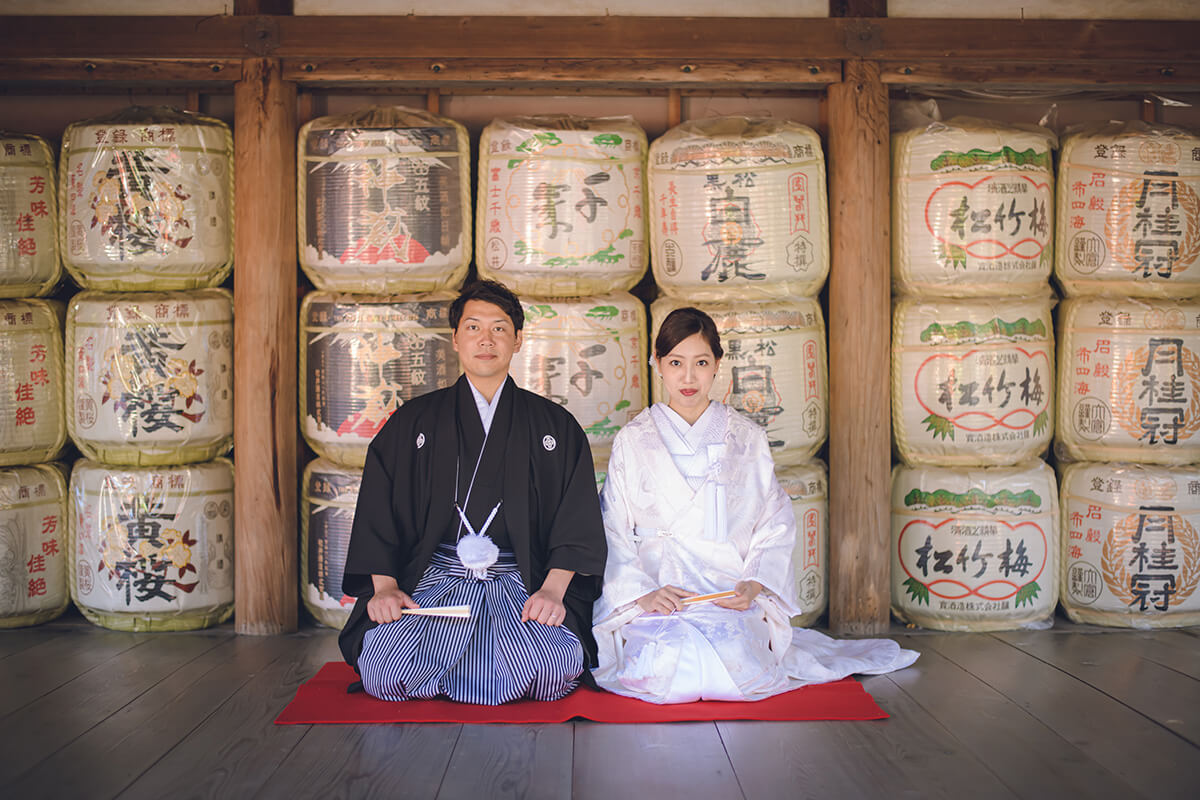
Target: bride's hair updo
x: 682, y: 323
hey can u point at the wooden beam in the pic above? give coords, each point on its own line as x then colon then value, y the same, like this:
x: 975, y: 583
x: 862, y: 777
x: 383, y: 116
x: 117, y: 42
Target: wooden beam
x: 859, y: 334
x: 264, y: 423
x: 219, y: 72
x: 674, y: 108
x: 1070, y: 74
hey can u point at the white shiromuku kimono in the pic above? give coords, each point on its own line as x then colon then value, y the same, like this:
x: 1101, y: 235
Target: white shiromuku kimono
x: 698, y: 507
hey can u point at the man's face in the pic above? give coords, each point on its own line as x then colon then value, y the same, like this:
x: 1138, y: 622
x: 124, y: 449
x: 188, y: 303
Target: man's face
x: 485, y: 340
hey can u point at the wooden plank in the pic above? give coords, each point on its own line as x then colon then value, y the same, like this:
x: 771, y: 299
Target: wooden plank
x: 1172, y: 649
x: 218, y: 72
x: 35, y: 671
x: 14, y: 640
x: 512, y: 761
x: 681, y: 759
x: 859, y: 335
x: 264, y: 356
x: 1117, y: 739
x: 1077, y: 74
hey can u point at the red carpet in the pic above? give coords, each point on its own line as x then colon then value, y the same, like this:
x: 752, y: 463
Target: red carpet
x: 323, y: 699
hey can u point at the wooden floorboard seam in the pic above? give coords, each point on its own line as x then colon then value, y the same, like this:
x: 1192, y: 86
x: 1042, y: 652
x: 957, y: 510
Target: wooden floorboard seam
x: 458, y: 738
x: 732, y: 766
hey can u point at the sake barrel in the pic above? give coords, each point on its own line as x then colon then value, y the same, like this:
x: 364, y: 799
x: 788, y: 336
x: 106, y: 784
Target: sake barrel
x: 329, y: 494
x: 972, y: 380
x: 1130, y: 550
x: 974, y: 549
x: 587, y: 354
x: 384, y: 201
x: 808, y: 487
x: 774, y: 370
x: 361, y: 358
x: 146, y: 200
x: 972, y: 209
x: 152, y: 547
x: 738, y: 209
x: 33, y: 545
x: 1129, y: 380
x: 151, y: 375
x: 1129, y: 211
x: 29, y: 264
x: 561, y: 205
x: 32, y: 423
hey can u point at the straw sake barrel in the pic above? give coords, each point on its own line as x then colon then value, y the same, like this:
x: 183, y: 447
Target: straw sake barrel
x: 29, y: 265
x: 774, y: 370
x: 561, y: 205
x: 32, y: 423
x: 739, y: 210
x: 329, y: 495
x: 33, y: 545
x: 808, y: 487
x: 1129, y: 211
x: 152, y: 547
x: 1129, y: 380
x: 972, y: 380
x: 363, y: 357
x: 972, y: 209
x: 1130, y: 550
x: 151, y: 376
x: 974, y: 549
x: 384, y: 201
x: 588, y: 354
x: 600, y: 459
x: 146, y: 200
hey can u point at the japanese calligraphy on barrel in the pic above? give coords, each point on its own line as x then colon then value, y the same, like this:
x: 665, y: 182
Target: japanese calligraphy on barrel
x: 1129, y: 211
x: 974, y: 549
x: 1130, y: 548
x: 151, y: 548
x: 972, y: 380
x: 808, y: 487
x: 361, y: 358
x: 33, y: 545
x: 972, y: 208
x: 328, y: 496
x: 774, y: 371
x: 588, y: 354
x: 561, y: 204
x: 1129, y: 380
x: 32, y: 424
x: 739, y: 209
x: 384, y: 201
x: 29, y: 264
x: 151, y: 378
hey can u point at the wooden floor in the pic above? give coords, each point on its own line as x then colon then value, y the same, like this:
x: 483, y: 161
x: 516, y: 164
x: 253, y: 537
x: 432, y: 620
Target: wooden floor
x: 1073, y: 712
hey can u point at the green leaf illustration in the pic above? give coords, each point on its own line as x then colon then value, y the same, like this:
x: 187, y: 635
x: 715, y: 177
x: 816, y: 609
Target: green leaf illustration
x: 625, y: 234
x: 602, y: 312
x: 951, y: 256
x: 1027, y: 593
x: 621, y: 405
x: 542, y: 311
x: 607, y: 140
x: 918, y: 591
x: 1040, y: 422
x: 939, y: 426
x: 608, y: 255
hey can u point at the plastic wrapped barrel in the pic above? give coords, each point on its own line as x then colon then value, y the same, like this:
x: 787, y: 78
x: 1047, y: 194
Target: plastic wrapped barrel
x: 972, y: 380
x: 29, y: 265
x: 974, y: 549
x: 1130, y: 549
x: 808, y: 487
x: 1129, y: 211
x: 739, y: 209
x: 561, y: 205
x: 587, y: 354
x: 363, y: 357
x: 152, y: 547
x: 33, y: 426
x: 146, y: 200
x: 384, y: 201
x: 33, y: 545
x: 1129, y: 380
x: 972, y: 209
x: 151, y: 376
x: 329, y: 495
x: 774, y: 370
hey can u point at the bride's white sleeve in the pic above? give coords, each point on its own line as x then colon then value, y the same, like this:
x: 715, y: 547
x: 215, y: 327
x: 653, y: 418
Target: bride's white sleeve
x: 624, y: 579
x: 768, y: 558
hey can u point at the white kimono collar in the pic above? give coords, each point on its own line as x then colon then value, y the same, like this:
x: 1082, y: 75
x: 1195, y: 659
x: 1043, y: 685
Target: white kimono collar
x: 709, y: 428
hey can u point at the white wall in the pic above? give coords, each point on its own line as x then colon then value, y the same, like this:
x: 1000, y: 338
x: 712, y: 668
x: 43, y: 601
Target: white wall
x: 156, y: 8
x: 566, y: 8
x: 1046, y: 9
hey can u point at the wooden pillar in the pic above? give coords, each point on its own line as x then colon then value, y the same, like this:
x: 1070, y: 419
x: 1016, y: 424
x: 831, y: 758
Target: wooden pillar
x: 264, y: 358
x: 859, y: 364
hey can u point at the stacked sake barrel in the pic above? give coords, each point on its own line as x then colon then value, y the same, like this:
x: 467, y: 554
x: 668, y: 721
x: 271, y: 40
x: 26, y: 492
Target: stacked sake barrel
x: 383, y: 206
x: 974, y: 508
x: 562, y: 222
x: 1129, y: 377
x: 146, y: 227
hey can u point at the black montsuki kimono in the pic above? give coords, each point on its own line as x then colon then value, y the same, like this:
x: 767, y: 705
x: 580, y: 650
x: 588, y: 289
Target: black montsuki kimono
x: 406, y: 501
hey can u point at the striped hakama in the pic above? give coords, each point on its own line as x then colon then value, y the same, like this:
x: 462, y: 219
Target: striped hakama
x: 488, y: 659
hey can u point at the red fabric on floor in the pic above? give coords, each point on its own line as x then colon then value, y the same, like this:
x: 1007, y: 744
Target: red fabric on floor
x: 323, y: 699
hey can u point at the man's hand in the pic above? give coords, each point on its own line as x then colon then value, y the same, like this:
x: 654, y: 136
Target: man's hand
x: 666, y: 600
x: 546, y: 605
x: 388, y: 601
x: 746, y: 592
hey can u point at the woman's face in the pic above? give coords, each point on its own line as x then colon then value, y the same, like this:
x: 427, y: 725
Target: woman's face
x: 688, y: 372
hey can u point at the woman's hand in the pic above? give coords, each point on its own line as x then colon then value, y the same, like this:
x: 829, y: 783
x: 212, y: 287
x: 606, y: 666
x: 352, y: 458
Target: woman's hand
x: 664, y: 601
x: 746, y: 592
